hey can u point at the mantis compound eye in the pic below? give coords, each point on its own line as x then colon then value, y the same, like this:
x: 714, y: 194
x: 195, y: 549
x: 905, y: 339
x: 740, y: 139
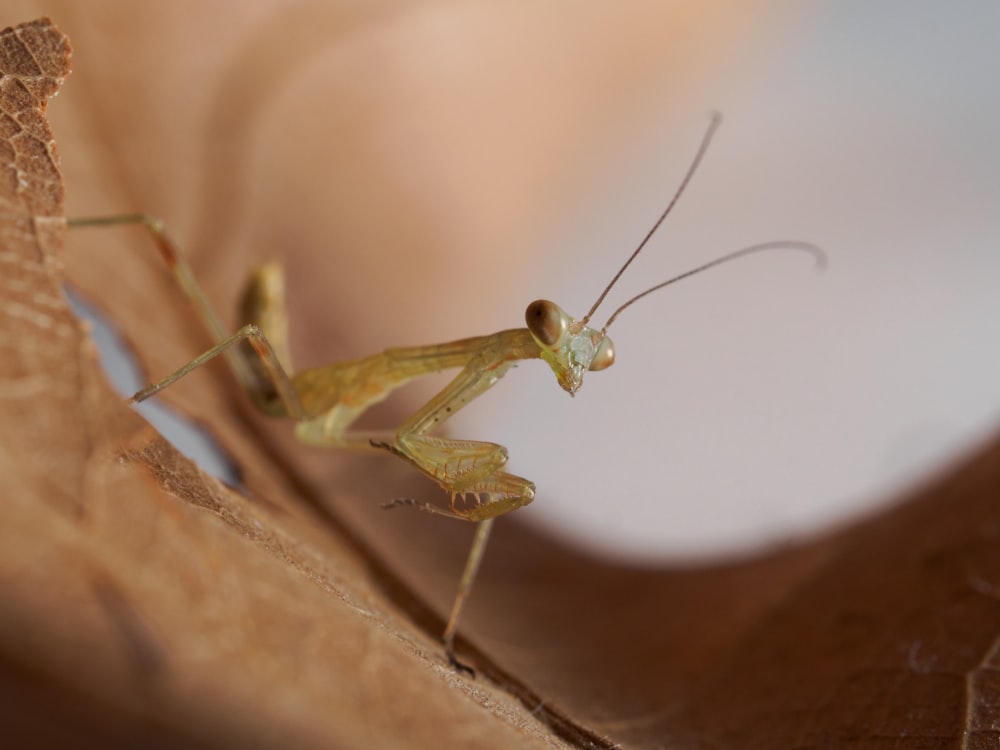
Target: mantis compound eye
x: 546, y: 321
x: 604, y: 357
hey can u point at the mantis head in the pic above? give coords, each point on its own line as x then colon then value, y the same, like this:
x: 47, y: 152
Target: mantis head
x: 571, y: 347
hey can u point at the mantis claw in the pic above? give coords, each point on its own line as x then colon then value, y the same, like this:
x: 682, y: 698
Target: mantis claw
x: 409, y: 502
x: 398, y: 502
x: 457, y: 665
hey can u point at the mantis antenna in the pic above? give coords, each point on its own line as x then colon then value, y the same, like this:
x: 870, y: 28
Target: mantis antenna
x: 807, y: 247
x: 706, y: 140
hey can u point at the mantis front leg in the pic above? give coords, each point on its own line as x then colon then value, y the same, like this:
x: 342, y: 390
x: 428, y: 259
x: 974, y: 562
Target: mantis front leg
x: 470, y: 471
x: 467, y: 469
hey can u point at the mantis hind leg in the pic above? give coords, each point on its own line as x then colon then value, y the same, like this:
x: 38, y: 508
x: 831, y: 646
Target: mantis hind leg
x: 258, y: 363
x: 263, y: 305
x: 266, y: 360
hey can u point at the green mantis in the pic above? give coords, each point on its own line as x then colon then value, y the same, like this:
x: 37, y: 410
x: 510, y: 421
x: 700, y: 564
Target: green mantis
x: 325, y: 401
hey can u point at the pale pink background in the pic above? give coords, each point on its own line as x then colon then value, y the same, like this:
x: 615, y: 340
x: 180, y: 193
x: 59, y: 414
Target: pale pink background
x: 539, y: 142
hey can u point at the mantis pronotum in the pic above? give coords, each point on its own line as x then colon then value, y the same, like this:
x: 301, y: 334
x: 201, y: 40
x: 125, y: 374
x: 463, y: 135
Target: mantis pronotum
x: 325, y: 401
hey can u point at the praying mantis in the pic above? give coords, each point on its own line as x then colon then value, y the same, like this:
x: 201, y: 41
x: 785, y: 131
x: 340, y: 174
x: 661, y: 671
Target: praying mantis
x: 325, y: 401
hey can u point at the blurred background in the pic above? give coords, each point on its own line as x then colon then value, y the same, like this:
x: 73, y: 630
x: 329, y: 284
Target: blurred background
x: 761, y: 400
x: 427, y: 169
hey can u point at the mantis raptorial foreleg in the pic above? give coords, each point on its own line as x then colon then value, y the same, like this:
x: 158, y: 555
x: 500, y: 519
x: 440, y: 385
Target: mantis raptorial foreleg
x: 326, y: 401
